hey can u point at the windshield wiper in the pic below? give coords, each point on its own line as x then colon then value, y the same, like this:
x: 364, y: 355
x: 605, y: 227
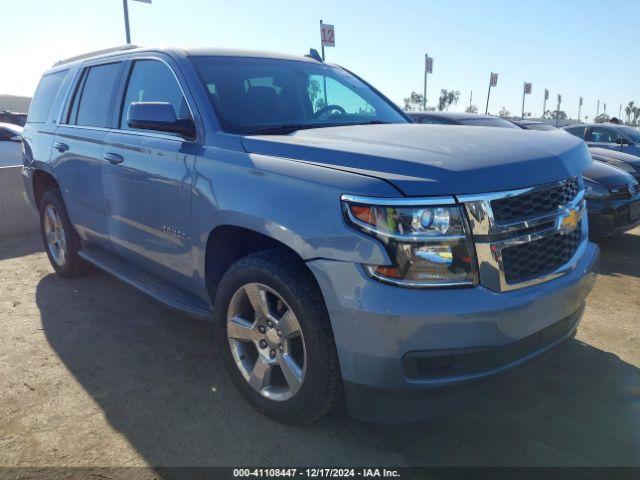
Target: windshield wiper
x: 293, y: 127
x: 283, y: 129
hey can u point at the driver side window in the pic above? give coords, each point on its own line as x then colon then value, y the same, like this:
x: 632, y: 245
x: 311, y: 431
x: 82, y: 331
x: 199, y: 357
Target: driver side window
x: 325, y: 91
x: 152, y: 81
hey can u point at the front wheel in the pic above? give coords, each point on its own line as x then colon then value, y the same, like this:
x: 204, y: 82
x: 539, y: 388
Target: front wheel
x: 279, y: 346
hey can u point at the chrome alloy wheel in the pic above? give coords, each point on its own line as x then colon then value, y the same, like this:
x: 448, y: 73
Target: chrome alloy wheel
x: 266, y: 341
x: 54, y: 234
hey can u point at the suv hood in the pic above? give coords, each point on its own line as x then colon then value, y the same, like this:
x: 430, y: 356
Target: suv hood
x: 423, y: 160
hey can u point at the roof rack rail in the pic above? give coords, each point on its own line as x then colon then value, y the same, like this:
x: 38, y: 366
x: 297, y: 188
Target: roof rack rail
x: 94, y: 54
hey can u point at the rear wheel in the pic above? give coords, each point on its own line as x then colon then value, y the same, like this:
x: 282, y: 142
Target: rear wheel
x: 279, y: 347
x: 61, y: 241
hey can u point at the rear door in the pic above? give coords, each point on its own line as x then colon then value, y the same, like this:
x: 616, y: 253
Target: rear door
x: 77, y: 154
x: 149, y: 191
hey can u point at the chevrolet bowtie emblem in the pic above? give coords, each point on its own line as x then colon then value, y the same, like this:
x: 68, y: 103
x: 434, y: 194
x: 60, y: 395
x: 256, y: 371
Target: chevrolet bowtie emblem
x: 570, y: 221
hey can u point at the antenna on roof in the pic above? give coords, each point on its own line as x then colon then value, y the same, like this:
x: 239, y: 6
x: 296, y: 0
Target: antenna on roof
x: 313, y: 53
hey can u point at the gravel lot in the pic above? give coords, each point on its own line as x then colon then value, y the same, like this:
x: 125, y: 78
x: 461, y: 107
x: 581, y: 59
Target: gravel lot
x: 93, y: 373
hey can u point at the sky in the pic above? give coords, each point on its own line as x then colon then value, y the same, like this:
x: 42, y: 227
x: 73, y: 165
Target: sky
x: 572, y: 47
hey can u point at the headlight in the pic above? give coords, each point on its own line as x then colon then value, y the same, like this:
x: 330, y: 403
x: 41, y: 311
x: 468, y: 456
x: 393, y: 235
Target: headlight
x: 428, y: 245
x: 593, y: 190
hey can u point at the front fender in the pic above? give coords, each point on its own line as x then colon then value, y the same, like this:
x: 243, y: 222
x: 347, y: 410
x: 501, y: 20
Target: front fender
x: 295, y: 203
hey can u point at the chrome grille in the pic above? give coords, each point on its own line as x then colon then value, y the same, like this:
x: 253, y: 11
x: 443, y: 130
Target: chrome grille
x: 527, y: 236
x: 534, y: 203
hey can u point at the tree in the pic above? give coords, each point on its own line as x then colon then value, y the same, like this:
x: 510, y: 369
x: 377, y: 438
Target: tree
x: 602, y: 118
x: 504, y: 113
x: 471, y: 109
x: 414, y: 102
x: 629, y: 111
x: 448, y: 98
x: 636, y: 115
x: 554, y: 114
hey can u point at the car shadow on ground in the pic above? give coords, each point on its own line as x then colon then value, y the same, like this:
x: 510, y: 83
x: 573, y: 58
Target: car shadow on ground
x: 158, y: 378
x: 616, y: 251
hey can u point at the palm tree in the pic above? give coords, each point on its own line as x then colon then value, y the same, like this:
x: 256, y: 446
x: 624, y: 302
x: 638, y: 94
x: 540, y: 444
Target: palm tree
x: 629, y: 110
x: 636, y: 115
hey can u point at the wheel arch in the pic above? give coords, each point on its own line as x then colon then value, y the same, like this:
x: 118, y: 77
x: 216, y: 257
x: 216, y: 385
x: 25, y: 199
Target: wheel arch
x: 42, y: 181
x: 228, y: 243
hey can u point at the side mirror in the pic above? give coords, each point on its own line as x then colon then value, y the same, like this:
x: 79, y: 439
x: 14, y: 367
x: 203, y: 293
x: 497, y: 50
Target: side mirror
x: 159, y: 116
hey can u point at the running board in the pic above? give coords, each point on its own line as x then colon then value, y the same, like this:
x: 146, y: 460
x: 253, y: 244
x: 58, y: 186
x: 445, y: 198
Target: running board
x: 157, y: 289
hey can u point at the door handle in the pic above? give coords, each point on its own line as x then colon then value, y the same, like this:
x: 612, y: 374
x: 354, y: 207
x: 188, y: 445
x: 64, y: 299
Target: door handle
x: 113, y: 158
x: 61, y: 147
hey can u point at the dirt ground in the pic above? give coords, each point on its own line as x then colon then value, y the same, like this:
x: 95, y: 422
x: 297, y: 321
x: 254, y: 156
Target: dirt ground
x: 93, y: 373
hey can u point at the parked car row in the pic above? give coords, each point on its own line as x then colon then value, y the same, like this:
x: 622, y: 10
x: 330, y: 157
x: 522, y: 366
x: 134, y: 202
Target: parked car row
x: 611, y: 182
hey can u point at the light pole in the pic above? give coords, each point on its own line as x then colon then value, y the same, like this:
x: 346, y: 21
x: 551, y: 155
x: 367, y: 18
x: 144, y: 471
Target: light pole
x: 428, y: 68
x: 579, y: 109
x: 125, y: 8
x: 126, y: 21
x: 544, y: 103
x: 493, y: 81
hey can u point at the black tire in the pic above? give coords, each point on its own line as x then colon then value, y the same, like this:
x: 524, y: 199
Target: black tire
x: 321, y: 388
x: 73, y: 265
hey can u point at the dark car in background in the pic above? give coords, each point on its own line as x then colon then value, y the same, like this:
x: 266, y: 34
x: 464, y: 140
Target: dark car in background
x: 613, y: 200
x: 605, y: 135
x: 15, y: 118
x: 613, y: 195
x: 533, y: 125
x: 452, y: 118
x: 624, y: 161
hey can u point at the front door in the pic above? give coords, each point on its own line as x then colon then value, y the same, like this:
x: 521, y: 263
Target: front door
x: 148, y: 180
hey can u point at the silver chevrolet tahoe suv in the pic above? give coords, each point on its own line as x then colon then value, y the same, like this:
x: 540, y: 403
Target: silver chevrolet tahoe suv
x: 342, y: 251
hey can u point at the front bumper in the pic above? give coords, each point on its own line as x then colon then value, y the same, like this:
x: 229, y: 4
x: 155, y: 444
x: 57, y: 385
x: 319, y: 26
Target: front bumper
x: 380, y: 329
x: 611, y: 217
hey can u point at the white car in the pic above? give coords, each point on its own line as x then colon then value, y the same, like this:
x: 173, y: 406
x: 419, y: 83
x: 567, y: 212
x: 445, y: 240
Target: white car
x: 10, y: 145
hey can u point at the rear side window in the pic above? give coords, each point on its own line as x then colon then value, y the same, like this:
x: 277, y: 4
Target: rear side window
x: 92, y: 102
x: 45, y: 95
x: 152, y: 81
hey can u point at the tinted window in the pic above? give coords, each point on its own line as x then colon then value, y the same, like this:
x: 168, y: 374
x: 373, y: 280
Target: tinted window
x: 5, y: 134
x: 539, y: 126
x: 44, y: 97
x: 577, y: 131
x: 488, y: 122
x: 630, y: 133
x: 92, y: 103
x: 435, y: 121
x: 604, y: 135
x: 152, y: 81
x: 253, y: 93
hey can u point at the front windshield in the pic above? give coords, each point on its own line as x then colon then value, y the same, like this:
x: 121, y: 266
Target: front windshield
x: 254, y: 95
x: 487, y: 122
x: 630, y: 133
